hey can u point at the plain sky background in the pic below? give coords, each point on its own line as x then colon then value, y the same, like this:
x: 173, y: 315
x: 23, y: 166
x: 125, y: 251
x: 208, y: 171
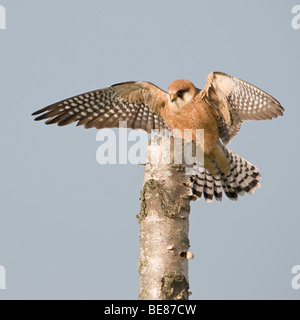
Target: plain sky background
x: 68, y: 227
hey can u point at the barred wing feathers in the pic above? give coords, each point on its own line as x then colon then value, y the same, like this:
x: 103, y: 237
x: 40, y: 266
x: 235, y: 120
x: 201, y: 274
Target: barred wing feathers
x: 235, y: 100
x: 139, y: 103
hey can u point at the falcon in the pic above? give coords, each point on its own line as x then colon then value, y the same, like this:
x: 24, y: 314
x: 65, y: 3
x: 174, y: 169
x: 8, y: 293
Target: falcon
x: 219, y: 109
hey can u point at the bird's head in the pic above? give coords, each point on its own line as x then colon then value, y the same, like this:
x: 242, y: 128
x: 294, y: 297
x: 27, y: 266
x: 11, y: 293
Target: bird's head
x: 182, y: 92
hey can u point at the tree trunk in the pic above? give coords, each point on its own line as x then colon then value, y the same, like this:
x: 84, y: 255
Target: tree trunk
x: 164, y: 226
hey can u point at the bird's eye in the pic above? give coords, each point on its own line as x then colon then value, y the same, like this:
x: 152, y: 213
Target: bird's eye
x: 180, y: 94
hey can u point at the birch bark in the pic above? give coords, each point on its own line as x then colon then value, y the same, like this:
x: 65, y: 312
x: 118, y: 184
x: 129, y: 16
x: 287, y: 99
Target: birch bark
x: 164, y: 226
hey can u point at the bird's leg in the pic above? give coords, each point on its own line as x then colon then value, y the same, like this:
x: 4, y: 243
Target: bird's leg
x: 221, y: 159
x: 210, y: 165
x: 209, y: 159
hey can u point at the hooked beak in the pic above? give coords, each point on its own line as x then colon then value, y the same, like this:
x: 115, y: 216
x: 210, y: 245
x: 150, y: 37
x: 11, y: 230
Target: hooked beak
x: 173, y: 97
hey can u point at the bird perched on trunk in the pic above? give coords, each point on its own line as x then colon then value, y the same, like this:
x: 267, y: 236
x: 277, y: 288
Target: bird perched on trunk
x: 219, y: 109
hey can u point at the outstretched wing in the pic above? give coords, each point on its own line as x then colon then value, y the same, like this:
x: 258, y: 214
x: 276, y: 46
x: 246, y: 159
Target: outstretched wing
x: 139, y: 103
x: 235, y: 100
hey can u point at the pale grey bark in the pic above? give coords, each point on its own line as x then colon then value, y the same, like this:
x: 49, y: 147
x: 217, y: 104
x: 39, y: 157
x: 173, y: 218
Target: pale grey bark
x: 164, y: 228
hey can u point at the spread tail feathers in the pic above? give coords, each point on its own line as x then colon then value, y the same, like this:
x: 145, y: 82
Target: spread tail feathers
x: 243, y: 178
